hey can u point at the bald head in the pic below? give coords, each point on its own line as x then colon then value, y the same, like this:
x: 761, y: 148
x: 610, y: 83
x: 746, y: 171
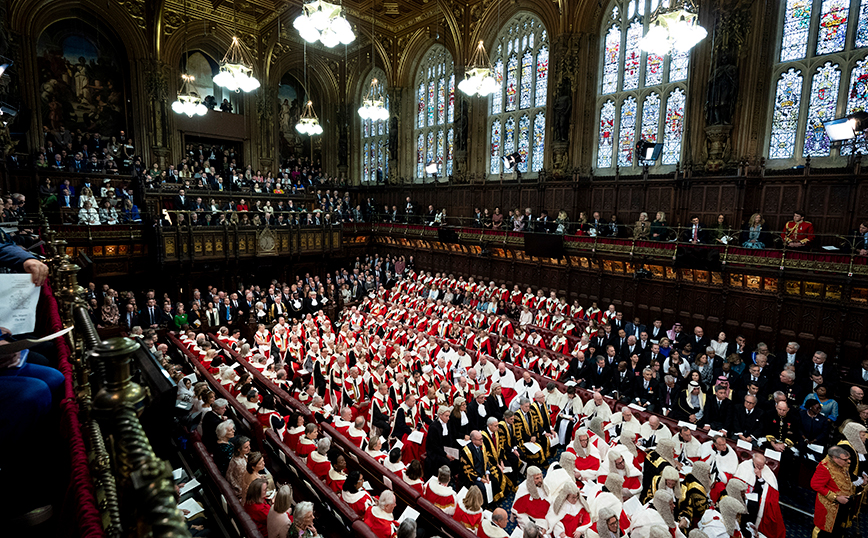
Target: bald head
x: 500, y: 518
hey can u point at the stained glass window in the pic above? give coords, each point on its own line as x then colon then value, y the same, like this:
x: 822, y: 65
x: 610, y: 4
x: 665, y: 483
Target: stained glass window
x: 862, y: 26
x: 497, y: 97
x: 797, y: 20
x: 432, y: 102
x: 833, y: 26
x: 420, y: 155
x: 807, y: 84
x: 539, y: 140
x: 523, y: 142
x: 511, y: 84
x: 606, y: 135
x: 450, y: 142
x: 542, y: 76
x: 526, y: 79
x: 450, y: 116
x: 366, y: 170
x: 627, y: 135
x: 785, y: 119
x: 436, y: 83
x: 495, y: 147
x: 421, y: 107
x: 612, y: 60
x: 650, y: 117
x: 824, y: 98
x: 673, y: 127
x: 509, y: 139
x: 374, y: 134
x: 521, y: 68
x: 632, y: 56
x: 654, y: 70
x: 857, y: 99
x: 639, y: 92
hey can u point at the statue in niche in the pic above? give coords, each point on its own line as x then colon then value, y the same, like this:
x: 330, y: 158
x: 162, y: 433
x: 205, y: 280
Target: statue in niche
x: 393, y: 137
x: 463, y: 124
x: 563, y: 107
x: 722, y: 91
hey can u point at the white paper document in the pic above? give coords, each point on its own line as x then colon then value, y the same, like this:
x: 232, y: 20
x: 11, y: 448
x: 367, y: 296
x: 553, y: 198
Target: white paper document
x: 178, y: 474
x: 462, y: 442
x: 631, y: 505
x: 688, y: 425
x: 637, y: 407
x: 366, y: 486
x: 193, y: 508
x: 713, y: 433
x: 451, y: 452
x: 19, y: 303
x: 773, y: 454
x: 416, y: 437
x: 461, y: 494
x: 409, y: 513
x: 815, y: 448
x: 751, y: 497
x: 189, y: 486
x: 533, y: 448
x: 489, y: 493
x: 744, y: 444
x: 398, y: 444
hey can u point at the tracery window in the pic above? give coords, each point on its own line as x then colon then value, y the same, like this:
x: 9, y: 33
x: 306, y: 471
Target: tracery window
x: 435, y: 111
x: 375, y: 137
x: 641, y: 95
x: 820, y: 75
x: 517, y: 110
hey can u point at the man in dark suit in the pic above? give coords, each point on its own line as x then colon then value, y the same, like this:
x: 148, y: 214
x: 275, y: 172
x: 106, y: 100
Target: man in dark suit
x: 596, y: 223
x: 629, y: 348
x: 623, y: 383
x: 181, y: 202
x: 210, y: 420
x: 695, y: 234
x: 77, y: 164
x: 634, y: 328
x: 600, y: 340
x: 751, y: 374
x: 65, y: 200
x: 618, y: 323
x: 739, y: 347
x: 699, y: 341
x: 129, y: 318
x: 657, y: 331
x: 718, y: 411
x: 747, y: 421
x: 667, y: 394
x: 645, y: 390
x: 600, y: 376
x: 859, y: 376
x: 357, y: 290
x: 613, y: 227
x: 227, y: 313
x: 151, y: 314
x: 438, y: 440
x: 818, y: 371
x: 166, y: 317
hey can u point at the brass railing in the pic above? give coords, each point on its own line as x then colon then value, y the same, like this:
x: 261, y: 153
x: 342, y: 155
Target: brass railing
x: 134, y: 487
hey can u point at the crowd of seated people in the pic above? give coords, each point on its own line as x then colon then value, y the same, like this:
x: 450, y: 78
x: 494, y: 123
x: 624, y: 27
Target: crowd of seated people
x: 405, y: 360
x: 84, y: 152
x: 91, y: 204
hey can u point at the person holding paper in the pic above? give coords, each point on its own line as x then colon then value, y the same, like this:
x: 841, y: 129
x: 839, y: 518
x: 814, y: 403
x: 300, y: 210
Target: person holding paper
x: 587, y: 456
x: 783, y: 433
x: 529, y: 444
x: 762, y: 496
x: 569, y: 515
x: 618, y: 462
x: 836, y: 504
x: 353, y: 493
x: 697, y: 487
x: 494, y: 527
x: 481, y: 467
x: 531, y: 501
x: 854, y: 443
x: 542, y: 424
x: 724, y: 522
x: 568, y: 416
x: 652, y: 432
x: 439, y: 439
x: 660, y: 512
x: 723, y: 461
x: 747, y: 421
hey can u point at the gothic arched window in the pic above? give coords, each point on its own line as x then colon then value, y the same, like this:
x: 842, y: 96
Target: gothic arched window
x: 517, y: 110
x: 375, y: 136
x: 820, y: 74
x: 435, y: 112
x: 641, y: 95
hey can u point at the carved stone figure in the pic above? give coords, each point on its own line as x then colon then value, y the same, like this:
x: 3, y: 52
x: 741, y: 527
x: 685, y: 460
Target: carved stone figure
x: 563, y: 107
x: 722, y: 92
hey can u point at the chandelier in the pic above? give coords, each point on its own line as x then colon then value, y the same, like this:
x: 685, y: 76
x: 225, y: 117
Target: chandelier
x: 323, y: 21
x: 188, y: 101
x: 236, y: 69
x: 674, y: 25
x: 308, y: 124
x: 479, y: 77
x: 372, y: 105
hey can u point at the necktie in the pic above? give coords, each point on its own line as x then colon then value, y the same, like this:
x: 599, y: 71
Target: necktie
x: 153, y: 320
x: 694, y: 233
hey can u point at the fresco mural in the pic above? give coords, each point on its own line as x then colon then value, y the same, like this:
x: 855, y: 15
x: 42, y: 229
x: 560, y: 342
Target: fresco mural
x: 82, y: 79
x: 291, y: 97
